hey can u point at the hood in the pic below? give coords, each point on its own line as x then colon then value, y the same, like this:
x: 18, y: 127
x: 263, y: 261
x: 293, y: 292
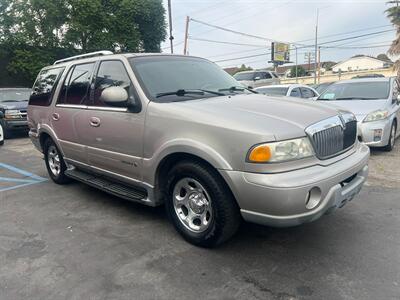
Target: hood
x: 14, y: 105
x: 360, y: 108
x: 280, y: 117
x: 246, y: 83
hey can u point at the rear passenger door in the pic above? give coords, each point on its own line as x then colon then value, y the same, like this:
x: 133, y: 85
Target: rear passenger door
x: 115, y: 136
x: 69, y: 119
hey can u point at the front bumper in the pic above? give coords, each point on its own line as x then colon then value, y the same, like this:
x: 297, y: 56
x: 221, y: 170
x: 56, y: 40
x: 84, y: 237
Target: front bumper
x: 280, y: 200
x: 367, y: 132
x: 15, y: 125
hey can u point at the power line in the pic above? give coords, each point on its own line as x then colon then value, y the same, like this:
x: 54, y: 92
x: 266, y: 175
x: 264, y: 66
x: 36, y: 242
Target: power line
x: 225, y: 42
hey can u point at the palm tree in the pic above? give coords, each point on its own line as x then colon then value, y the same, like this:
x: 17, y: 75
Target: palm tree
x: 393, y: 14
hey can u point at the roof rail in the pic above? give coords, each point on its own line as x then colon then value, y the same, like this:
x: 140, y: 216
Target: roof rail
x: 86, y: 55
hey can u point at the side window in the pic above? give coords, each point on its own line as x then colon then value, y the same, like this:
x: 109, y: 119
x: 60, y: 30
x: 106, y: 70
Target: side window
x: 44, y: 87
x: 267, y: 75
x: 306, y: 93
x: 258, y: 74
x: 111, y: 73
x: 395, y: 89
x: 295, y: 93
x: 75, y: 89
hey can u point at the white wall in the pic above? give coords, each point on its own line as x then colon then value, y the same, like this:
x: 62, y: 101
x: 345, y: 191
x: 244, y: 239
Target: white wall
x: 359, y: 63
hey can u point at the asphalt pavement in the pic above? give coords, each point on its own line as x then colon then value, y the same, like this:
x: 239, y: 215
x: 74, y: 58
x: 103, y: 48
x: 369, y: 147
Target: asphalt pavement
x: 75, y: 242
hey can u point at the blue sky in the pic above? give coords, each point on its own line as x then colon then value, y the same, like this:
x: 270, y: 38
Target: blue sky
x: 283, y: 20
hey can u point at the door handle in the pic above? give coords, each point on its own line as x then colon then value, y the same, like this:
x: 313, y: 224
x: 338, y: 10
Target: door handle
x: 55, y: 116
x: 94, y: 122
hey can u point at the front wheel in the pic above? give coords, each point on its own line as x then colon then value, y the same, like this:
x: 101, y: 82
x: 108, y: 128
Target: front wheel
x: 55, y: 164
x: 200, y: 205
x: 392, y: 138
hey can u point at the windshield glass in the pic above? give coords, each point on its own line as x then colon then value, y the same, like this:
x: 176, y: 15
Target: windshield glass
x: 14, y: 95
x: 177, y: 78
x: 278, y: 91
x: 244, y: 76
x: 356, y: 91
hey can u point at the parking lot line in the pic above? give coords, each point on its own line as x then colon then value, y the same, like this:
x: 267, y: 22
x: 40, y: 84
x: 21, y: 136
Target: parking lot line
x: 29, y: 179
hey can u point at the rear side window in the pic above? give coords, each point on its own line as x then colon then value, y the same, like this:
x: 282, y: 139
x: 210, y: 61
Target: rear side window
x: 75, y: 90
x: 266, y: 75
x: 44, y: 86
x: 111, y: 73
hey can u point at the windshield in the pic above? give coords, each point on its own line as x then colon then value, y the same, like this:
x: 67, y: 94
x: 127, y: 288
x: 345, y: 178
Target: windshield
x: 273, y: 91
x: 356, y: 91
x: 177, y: 78
x: 244, y: 76
x: 14, y: 95
x: 320, y: 88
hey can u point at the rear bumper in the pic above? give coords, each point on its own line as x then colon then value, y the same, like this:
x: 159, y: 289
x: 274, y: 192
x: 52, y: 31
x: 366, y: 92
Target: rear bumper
x: 286, y: 199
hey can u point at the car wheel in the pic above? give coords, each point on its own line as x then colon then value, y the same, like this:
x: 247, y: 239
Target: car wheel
x: 55, y: 164
x: 200, y: 204
x: 1, y: 135
x: 392, y: 138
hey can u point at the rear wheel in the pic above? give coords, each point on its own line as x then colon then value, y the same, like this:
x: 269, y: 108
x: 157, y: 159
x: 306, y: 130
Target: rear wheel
x: 55, y: 164
x: 200, y: 205
x: 392, y: 138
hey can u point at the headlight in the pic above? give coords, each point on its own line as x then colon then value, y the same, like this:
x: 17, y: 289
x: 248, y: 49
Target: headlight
x: 12, y: 114
x: 376, y: 115
x: 281, y: 151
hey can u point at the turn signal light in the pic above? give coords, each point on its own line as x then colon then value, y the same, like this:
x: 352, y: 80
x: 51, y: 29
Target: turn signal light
x: 261, y: 153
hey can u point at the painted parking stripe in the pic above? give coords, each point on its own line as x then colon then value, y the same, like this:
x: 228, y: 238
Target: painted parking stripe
x: 29, y: 179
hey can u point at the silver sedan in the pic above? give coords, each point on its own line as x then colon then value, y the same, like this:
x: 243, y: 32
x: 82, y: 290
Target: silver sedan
x: 376, y: 104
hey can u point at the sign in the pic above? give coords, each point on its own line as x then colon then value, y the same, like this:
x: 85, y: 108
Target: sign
x: 280, y: 53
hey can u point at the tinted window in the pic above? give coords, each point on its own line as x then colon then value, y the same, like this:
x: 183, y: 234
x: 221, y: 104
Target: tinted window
x: 266, y: 75
x: 111, y: 73
x: 295, y: 93
x: 44, y: 86
x: 75, y: 89
x: 281, y: 91
x: 244, y: 76
x: 371, y: 90
x: 307, y: 93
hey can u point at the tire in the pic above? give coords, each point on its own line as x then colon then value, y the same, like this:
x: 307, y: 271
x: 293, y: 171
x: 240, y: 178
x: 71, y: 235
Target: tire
x: 196, y: 191
x: 1, y: 135
x: 55, y: 164
x: 392, y: 138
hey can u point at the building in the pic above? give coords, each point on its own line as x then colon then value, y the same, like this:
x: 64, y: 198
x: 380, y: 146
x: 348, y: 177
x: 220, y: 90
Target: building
x: 361, y: 63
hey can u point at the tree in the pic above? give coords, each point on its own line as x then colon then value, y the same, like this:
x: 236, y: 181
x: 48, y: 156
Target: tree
x: 35, y: 30
x: 393, y: 13
x: 300, y: 71
x: 383, y: 57
x: 243, y: 68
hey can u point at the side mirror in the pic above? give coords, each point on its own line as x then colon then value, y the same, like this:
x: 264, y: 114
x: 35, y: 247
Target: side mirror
x: 257, y: 78
x: 114, y: 95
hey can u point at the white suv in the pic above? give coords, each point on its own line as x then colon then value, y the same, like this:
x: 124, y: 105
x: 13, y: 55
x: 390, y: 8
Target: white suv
x: 254, y: 79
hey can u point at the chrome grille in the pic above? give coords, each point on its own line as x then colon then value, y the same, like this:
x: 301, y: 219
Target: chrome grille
x: 333, y: 136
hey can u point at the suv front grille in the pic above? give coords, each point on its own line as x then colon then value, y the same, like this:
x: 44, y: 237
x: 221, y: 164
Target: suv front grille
x: 333, y: 136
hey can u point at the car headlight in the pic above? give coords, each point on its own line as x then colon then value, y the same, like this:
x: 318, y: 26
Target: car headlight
x: 281, y: 151
x: 376, y: 116
x: 11, y: 114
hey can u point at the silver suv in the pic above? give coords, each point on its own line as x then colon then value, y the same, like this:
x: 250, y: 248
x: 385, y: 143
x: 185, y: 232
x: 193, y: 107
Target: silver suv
x: 178, y: 130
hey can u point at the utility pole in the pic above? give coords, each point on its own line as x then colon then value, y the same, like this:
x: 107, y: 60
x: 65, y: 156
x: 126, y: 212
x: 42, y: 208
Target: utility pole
x: 316, y: 49
x: 171, y: 38
x: 319, y: 64
x: 186, y: 36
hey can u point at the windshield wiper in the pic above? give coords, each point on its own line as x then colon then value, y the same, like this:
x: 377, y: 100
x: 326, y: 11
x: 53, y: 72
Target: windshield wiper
x: 236, y: 88
x: 183, y: 92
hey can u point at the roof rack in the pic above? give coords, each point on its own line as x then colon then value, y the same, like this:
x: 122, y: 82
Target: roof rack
x: 86, y: 55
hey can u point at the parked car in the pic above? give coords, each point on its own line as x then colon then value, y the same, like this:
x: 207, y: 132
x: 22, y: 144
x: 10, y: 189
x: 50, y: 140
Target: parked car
x: 321, y: 87
x: 194, y: 139
x: 376, y: 104
x: 254, y: 79
x: 13, y: 110
x: 290, y: 90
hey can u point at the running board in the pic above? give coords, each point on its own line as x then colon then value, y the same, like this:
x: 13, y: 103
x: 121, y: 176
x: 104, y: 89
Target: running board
x: 106, y: 185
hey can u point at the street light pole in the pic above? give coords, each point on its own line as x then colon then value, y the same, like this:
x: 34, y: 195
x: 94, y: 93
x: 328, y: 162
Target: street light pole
x: 295, y: 47
x: 171, y: 38
x: 186, y: 35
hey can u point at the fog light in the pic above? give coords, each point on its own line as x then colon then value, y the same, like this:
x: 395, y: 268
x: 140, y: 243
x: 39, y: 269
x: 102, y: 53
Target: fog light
x: 313, y: 198
x: 377, y: 135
